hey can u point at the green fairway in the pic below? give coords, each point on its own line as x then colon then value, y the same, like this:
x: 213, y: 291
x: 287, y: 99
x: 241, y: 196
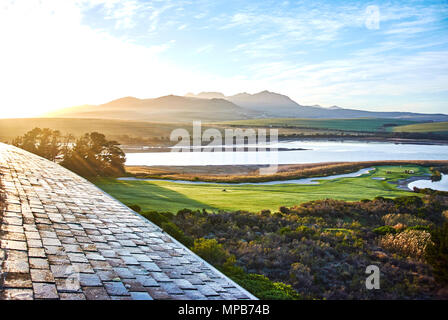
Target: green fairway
x: 170, y: 196
x: 364, y: 124
x: 439, y: 127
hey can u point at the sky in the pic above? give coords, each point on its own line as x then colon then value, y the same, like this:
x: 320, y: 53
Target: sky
x: 370, y: 55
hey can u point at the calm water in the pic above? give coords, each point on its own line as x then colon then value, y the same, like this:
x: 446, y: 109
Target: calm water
x: 317, y: 151
x: 441, y: 185
x: 297, y: 181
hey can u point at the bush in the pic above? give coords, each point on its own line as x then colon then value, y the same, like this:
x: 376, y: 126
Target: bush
x: 300, y: 275
x: 437, y: 254
x: 210, y: 250
x: 384, y: 230
x: 176, y: 233
x: 265, y: 289
x: 408, y: 201
x: 405, y: 219
x: 304, y: 231
x: 284, y: 210
x: 260, y: 286
x: 410, y: 243
x: 284, y: 230
x: 419, y: 227
x: 324, y: 247
x: 135, y: 207
x: 156, y: 217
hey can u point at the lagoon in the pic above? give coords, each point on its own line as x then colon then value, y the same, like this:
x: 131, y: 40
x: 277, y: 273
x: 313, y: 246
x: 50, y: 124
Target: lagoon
x: 441, y: 185
x: 315, y: 152
x: 305, y: 181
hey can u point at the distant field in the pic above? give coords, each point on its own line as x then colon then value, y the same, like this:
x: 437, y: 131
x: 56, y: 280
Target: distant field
x: 11, y: 128
x: 439, y: 127
x: 135, y: 132
x: 170, y: 196
x: 369, y: 125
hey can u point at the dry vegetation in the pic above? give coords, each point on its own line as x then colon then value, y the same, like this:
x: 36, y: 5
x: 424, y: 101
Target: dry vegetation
x: 410, y: 243
x: 320, y: 249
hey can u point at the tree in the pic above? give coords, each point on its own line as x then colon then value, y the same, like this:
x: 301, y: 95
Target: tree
x: 90, y: 155
x: 437, y: 254
x: 43, y: 142
x: 94, y: 155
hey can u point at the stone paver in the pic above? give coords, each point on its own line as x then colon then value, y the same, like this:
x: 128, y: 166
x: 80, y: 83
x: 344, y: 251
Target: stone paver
x: 63, y: 238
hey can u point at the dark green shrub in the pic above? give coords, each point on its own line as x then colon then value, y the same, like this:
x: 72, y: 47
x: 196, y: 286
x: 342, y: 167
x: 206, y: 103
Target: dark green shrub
x: 176, y: 233
x: 156, y: 217
x: 284, y: 210
x: 135, y: 207
x: 304, y: 230
x: 408, y: 201
x: 419, y: 227
x: 437, y: 254
x: 260, y: 286
x: 384, y: 230
x: 210, y: 250
x: 184, y: 212
x: 284, y: 230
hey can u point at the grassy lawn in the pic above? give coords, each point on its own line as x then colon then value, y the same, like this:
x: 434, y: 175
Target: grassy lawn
x: 170, y: 196
x: 370, y: 125
x: 440, y: 127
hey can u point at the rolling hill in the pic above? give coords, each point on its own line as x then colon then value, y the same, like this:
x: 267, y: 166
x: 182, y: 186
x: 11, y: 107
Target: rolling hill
x: 113, y: 129
x: 164, y: 109
x: 438, y: 127
x: 214, y: 106
x: 360, y: 124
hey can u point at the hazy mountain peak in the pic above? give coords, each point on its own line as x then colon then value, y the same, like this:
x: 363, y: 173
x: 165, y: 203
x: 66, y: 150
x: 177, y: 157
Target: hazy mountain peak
x: 241, y: 94
x: 206, y: 95
x: 125, y: 99
x: 215, y: 106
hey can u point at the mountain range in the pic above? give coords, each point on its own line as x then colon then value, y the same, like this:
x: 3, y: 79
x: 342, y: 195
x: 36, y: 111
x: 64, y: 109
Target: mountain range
x: 215, y: 106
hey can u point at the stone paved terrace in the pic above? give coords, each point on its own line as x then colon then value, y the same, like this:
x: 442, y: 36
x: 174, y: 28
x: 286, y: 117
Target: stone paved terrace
x: 63, y: 238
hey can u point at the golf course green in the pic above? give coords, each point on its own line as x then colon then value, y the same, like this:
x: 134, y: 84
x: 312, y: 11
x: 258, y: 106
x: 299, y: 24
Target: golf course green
x: 171, y: 196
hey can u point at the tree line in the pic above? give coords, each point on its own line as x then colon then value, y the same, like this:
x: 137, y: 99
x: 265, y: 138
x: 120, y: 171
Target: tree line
x: 89, y: 155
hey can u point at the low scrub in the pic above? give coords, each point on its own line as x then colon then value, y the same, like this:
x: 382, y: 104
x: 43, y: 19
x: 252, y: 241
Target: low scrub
x: 320, y: 249
x: 405, y: 219
x: 409, y: 243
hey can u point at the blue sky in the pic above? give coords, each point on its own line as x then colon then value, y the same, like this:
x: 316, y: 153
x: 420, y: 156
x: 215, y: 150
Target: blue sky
x: 373, y: 55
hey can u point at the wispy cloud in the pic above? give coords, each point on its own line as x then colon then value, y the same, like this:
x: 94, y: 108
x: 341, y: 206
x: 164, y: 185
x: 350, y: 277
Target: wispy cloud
x: 205, y: 49
x: 316, y: 52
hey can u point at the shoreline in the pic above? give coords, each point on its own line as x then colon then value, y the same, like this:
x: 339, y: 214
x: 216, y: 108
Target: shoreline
x: 250, y: 173
x: 168, y: 148
x: 403, y: 184
x: 304, y: 181
x: 146, y: 149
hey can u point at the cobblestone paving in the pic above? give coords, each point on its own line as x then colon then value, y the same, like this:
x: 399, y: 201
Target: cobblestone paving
x: 63, y: 238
